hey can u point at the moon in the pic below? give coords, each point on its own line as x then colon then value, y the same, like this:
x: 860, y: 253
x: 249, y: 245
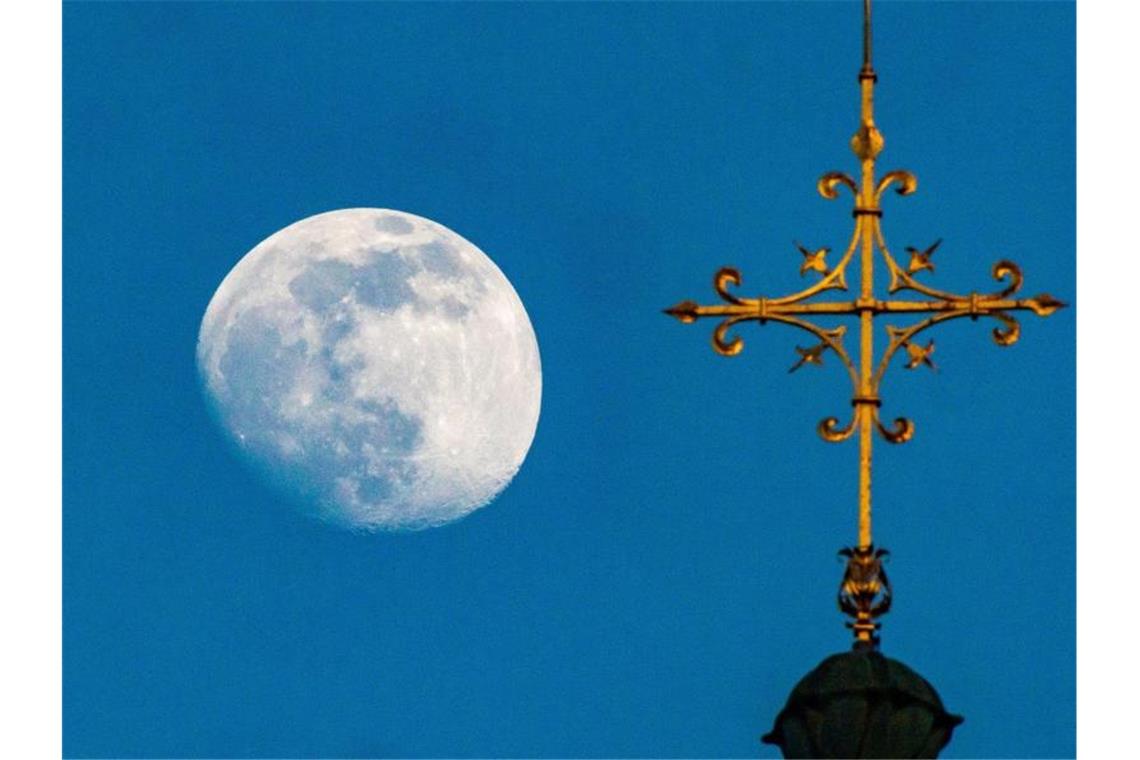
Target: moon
x: 378, y: 368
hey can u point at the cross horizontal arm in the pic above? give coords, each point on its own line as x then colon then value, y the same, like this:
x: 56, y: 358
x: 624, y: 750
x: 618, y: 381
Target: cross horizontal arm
x: 1042, y: 305
x: 793, y: 310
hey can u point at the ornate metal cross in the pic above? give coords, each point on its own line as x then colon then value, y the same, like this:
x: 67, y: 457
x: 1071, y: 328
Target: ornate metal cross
x: 865, y: 592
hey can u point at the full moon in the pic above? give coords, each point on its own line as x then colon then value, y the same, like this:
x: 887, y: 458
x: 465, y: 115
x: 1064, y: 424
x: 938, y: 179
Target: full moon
x: 376, y: 367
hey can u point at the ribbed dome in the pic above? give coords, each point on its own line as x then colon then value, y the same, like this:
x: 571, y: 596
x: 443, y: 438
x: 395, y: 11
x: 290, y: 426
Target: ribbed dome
x: 861, y: 704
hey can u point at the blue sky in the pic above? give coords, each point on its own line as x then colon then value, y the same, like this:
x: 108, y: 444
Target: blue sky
x: 662, y: 570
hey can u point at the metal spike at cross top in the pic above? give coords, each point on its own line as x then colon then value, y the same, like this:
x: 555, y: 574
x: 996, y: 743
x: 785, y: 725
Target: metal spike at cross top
x: 865, y: 592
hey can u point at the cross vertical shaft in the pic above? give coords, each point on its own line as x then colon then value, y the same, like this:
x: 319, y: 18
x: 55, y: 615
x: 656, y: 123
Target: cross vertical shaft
x: 866, y: 144
x: 867, y: 149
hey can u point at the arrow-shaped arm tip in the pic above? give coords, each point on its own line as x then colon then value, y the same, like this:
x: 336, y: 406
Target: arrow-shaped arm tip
x: 1044, y: 304
x: 685, y: 311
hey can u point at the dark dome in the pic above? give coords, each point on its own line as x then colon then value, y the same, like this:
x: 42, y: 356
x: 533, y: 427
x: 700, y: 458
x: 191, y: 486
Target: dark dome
x: 861, y: 704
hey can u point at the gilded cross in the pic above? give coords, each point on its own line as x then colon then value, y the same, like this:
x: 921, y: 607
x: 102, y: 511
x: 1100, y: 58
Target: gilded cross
x: 865, y: 592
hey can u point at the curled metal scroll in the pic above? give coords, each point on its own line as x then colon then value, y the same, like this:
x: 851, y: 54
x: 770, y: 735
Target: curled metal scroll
x: 724, y: 345
x: 907, y: 183
x: 1009, y: 332
x: 1007, y: 270
x: 901, y: 431
x: 830, y: 431
x: 724, y: 277
x: 828, y: 185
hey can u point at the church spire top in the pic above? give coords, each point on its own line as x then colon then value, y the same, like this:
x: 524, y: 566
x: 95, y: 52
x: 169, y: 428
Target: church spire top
x: 865, y: 592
